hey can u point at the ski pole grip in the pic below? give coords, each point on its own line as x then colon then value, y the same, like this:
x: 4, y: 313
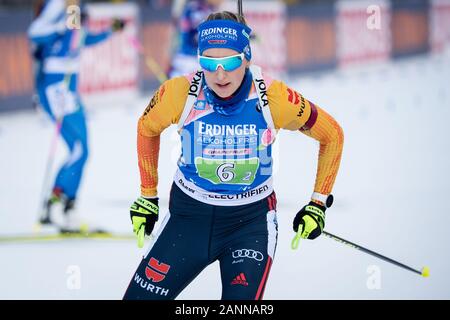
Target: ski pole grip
x: 295, y: 242
x: 141, y: 236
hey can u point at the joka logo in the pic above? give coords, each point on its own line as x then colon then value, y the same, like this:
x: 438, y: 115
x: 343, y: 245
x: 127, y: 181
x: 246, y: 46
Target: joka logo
x: 195, y: 84
x: 262, y: 90
x: 240, y: 279
x: 156, y: 271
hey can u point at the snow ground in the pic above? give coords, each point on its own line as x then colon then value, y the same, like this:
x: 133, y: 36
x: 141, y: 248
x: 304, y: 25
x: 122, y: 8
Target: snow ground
x: 389, y: 195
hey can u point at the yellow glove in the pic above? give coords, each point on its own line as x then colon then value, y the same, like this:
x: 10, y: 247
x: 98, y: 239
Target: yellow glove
x: 144, y: 214
x: 308, y: 222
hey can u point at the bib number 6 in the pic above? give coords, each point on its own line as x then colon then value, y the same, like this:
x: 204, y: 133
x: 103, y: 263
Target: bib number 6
x: 225, y: 172
x: 232, y: 171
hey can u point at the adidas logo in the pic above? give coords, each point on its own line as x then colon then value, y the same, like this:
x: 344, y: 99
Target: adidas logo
x: 240, y: 279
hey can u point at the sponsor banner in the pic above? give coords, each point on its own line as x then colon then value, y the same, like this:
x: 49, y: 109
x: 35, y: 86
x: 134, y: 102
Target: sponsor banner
x: 159, y: 32
x: 267, y: 19
x: 260, y: 192
x: 439, y: 25
x: 363, y: 31
x: 410, y: 28
x: 159, y: 40
x: 113, y: 65
x: 16, y: 79
x: 311, y: 39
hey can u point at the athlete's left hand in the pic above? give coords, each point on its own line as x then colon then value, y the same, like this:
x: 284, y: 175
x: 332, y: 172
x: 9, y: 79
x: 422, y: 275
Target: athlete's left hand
x: 309, y: 222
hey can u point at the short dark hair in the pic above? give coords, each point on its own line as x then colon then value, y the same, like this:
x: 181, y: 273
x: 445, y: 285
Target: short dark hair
x: 226, y: 15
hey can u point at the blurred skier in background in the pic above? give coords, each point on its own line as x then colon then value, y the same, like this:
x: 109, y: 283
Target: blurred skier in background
x: 187, y: 15
x: 57, y: 37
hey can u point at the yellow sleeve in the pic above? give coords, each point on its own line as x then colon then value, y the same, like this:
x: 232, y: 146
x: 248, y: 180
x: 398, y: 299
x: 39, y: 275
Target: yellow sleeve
x: 164, y: 109
x: 291, y: 111
x: 331, y: 137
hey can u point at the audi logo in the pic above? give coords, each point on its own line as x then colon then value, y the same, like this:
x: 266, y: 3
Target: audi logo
x: 247, y: 253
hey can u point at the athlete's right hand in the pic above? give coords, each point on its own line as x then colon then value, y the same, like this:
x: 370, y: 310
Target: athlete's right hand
x: 308, y: 223
x: 144, y: 214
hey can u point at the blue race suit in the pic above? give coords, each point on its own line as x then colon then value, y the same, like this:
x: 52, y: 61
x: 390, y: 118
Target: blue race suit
x: 56, y: 84
x: 222, y: 205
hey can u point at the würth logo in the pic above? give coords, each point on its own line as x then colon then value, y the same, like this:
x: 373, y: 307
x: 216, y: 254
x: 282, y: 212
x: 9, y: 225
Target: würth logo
x: 156, y: 271
x: 240, y: 279
x: 293, y: 96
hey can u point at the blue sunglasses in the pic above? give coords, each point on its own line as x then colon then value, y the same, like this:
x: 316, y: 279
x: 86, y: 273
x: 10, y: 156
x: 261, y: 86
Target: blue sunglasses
x: 229, y: 63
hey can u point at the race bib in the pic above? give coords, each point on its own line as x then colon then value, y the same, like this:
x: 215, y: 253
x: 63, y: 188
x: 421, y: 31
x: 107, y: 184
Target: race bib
x: 61, y: 100
x: 227, y: 171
